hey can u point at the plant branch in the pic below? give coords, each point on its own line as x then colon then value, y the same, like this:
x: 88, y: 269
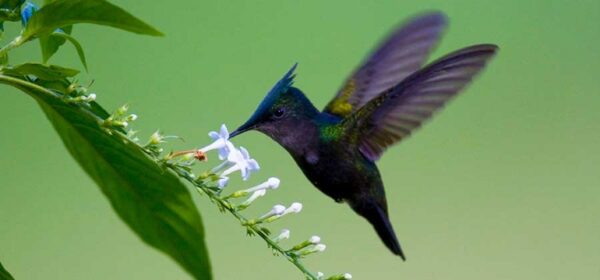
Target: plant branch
x: 224, y: 204
x: 18, y: 41
x: 182, y: 173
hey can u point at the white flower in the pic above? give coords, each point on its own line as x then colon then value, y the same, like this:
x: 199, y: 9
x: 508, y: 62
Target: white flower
x: 296, y: 207
x: 271, y: 183
x: 320, y: 247
x: 320, y: 275
x: 241, y: 162
x: 251, y: 199
x: 285, y: 234
x: 347, y: 276
x: 314, y: 239
x: 313, y: 249
x: 220, y: 143
x: 277, y: 210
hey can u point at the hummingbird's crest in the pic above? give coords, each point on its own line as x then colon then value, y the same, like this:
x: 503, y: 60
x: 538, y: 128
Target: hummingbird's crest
x: 281, y: 86
x: 277, y: 104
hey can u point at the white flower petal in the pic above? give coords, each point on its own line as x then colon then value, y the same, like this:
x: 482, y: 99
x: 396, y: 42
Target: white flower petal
x: 214, y: 135
x: 253, y: 165
x: 245, y: 153
x: 224, y: 132
x: 223, y: 181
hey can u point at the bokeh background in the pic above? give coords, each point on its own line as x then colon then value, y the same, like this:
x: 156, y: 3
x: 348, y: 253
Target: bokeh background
x: 504, y: 184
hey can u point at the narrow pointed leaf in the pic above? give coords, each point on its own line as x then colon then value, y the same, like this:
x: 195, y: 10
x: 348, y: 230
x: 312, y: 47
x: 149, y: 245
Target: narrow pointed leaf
x: 42, y: 71
x: 62, y: 13
x: 75, y: 43
x: 150, y: 199
x: 49, y: 44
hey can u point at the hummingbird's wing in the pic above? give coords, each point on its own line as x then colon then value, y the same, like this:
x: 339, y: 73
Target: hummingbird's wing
x: 394, y: 114
x: 401, y: 54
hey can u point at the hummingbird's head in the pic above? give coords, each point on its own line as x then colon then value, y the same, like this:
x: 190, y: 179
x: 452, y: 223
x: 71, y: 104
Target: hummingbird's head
x: 283, y: 110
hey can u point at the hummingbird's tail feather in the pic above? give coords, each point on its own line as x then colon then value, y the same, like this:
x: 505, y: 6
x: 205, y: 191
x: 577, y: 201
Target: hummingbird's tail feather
x: 378, y: 217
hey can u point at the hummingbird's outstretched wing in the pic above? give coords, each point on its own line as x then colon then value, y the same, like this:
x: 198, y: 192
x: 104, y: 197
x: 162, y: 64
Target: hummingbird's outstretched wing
x: 401, y: 54
x: 392, y: 116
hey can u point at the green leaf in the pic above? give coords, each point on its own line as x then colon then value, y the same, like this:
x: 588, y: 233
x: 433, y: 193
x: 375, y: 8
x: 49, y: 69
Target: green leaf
x: 150, y: 199
x: 76, y: 44
x: 4, y: 275
x: 68, y: 12
x: 42, y: 71
x: 49, y: 44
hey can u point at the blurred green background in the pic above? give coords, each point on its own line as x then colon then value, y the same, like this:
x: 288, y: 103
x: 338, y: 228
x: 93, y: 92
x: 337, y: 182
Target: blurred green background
x: 504, y: 184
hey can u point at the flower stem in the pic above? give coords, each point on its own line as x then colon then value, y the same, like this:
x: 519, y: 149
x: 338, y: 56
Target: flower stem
x: 290, y: 256
x: 18, y: 41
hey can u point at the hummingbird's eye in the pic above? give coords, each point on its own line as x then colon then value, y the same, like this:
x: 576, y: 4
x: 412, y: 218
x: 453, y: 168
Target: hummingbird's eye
x: 279, y: 112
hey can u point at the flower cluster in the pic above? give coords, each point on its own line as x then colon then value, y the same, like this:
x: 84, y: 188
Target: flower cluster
x: 236, y: 159
x: 120, y: 120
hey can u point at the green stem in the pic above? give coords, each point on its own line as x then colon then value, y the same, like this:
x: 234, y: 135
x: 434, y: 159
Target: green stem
x: 291, y: 257
x: 18, y: 41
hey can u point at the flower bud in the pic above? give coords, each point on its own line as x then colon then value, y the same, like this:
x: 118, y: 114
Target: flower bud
x: 345, y: 276
x: 285, y: 234
x: 222, y: 182
x: 156, y: 138
x: 122, y: 110
x: 27, y: 11
x: 313, y: 249
x: 131, y: 117
x: 252, y: 198
x: 296, y: 207
x: 273, y: 183
x: 313, y: 240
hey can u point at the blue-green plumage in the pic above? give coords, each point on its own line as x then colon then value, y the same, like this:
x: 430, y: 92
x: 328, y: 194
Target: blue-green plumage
x: 384, y: 100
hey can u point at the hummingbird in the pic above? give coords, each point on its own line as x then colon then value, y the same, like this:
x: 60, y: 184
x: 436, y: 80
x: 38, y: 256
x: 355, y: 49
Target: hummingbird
x: 381, y: 103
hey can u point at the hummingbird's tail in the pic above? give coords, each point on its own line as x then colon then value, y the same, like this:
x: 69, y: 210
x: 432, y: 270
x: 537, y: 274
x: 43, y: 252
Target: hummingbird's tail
x: 377, y: 216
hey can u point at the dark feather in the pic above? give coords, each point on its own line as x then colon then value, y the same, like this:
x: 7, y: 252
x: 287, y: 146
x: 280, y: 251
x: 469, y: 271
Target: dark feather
x: 401, y: 54
x: 393, y: 115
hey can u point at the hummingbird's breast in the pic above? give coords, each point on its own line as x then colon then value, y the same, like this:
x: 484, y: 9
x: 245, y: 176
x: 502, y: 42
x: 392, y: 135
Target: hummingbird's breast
x: 337, y: 169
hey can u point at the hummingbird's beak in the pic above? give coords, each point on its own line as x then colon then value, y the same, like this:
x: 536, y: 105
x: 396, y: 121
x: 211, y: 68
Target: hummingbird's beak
x: 249, y: 125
